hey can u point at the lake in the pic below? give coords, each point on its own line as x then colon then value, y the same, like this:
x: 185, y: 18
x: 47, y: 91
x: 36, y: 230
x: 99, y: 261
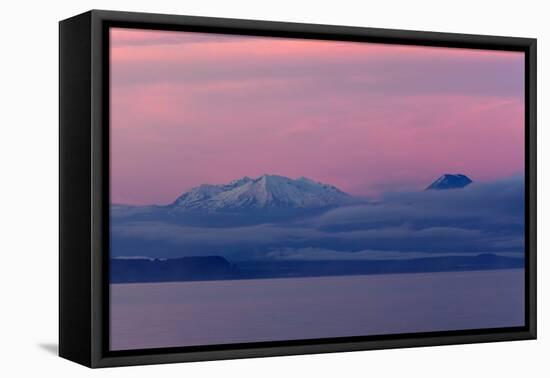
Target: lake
x: 154, y: 315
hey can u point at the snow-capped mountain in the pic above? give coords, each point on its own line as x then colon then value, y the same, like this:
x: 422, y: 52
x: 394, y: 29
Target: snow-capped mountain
x: 450, y: 181
x: 266, y: 191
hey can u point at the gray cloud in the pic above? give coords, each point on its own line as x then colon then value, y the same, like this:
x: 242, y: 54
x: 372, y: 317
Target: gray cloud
x: 480, y: 218
x: 318, y: 254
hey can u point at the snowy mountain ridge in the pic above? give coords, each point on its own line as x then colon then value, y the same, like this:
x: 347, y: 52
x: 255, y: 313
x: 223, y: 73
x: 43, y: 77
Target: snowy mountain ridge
x: 266, y: 191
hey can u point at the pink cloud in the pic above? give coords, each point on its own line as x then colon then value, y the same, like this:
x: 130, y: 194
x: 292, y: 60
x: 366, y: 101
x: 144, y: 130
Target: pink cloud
x: 365, y: 117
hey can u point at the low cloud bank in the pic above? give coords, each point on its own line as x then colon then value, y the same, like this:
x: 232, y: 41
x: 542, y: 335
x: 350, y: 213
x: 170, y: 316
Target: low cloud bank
x: 481, y: 218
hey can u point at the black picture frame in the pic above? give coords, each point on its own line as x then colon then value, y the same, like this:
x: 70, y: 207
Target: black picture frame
x: 84, y: 187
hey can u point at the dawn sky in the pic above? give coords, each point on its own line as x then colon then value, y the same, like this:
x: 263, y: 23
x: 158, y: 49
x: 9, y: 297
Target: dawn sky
x: 193, y: 108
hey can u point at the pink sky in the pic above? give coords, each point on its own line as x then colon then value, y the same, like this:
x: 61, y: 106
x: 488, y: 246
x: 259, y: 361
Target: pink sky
x: 194, y: 108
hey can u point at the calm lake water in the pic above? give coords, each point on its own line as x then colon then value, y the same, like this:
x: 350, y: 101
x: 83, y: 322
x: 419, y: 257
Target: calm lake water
x: 154, y: 315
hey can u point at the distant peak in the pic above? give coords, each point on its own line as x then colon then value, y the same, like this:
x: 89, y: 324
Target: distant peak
x: 450, y: 181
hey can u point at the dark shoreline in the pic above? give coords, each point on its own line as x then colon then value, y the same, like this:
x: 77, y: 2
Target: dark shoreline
x: 216, y: 268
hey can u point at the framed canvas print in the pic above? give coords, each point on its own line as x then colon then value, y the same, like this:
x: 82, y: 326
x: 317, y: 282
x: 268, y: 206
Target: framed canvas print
x: 234, y: 188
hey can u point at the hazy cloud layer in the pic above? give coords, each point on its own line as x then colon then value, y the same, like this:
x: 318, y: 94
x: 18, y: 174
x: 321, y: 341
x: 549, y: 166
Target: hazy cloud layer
x: 480, y: 218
